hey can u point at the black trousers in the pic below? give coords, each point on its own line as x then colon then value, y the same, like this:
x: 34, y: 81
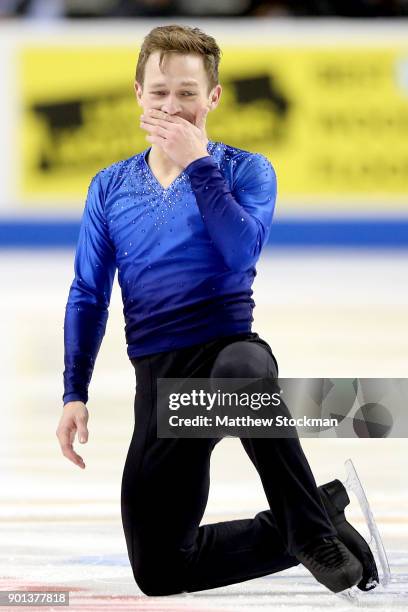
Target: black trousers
x: 166, y: 482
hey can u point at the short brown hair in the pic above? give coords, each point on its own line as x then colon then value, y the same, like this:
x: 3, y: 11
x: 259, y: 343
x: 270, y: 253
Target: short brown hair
x: 180, y: 39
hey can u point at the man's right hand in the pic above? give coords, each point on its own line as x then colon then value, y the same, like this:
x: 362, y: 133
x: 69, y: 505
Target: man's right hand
x: 74, y: 419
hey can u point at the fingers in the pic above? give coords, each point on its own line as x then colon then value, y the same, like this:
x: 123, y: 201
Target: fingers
x: 146, y: 119
x: 69, y: 453
x: 66, y: 437
x: 156, y: 133
x: 158, y: 127
x: 155, y: 129
x: 154, y: 114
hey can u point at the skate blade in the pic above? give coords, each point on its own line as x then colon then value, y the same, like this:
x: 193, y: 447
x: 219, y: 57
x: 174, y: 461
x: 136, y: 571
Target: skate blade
x: 352, y: 483
x: 351, y: 594
x: 355, y: 596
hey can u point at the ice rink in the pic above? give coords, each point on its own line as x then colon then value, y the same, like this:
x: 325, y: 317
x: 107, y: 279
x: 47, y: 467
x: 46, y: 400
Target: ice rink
x: 324, y: 313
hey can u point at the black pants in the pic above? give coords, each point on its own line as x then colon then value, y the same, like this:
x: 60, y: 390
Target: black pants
x: 166, y: 482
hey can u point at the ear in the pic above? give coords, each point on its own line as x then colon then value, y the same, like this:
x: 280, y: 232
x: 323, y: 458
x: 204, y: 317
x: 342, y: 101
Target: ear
x: 138, y: 91
x: 215, y: 96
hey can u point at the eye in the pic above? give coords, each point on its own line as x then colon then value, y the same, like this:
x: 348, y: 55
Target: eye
x: 158, y: 93
x: 188, y: 93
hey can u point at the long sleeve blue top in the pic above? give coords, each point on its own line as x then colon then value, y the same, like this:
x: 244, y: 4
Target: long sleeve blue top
x: 185, y: 256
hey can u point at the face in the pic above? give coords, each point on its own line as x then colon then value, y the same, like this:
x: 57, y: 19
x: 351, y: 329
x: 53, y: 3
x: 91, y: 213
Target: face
x: 179, y: 88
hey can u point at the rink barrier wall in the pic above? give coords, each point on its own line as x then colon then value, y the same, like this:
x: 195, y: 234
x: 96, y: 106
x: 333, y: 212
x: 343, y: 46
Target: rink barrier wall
x: 328, y: 233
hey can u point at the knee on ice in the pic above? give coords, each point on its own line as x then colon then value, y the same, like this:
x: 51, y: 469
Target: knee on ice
x: 157, y: 579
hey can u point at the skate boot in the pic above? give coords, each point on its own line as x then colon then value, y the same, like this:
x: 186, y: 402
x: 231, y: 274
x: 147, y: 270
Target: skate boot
x: 335, y: 498
x: 331, y: 563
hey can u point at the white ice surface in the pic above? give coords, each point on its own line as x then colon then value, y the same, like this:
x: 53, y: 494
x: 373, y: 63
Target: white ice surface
x: 324, y: 314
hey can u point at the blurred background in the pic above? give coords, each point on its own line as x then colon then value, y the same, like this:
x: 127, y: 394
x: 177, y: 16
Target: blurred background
x: 204, y: 8
x: 321, y: 88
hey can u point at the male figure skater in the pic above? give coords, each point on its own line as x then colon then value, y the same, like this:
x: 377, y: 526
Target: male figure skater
x: 184, y: 222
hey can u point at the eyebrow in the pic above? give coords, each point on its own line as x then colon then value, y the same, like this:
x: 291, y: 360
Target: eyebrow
x: 191, y: 82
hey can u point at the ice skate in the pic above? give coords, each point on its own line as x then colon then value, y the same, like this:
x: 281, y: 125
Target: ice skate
x: 335, y: 498
x: 352, y: 483
x: 331, y: 563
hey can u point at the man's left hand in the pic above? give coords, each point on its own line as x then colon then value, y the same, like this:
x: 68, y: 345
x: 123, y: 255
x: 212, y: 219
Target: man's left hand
x: 181, y: 140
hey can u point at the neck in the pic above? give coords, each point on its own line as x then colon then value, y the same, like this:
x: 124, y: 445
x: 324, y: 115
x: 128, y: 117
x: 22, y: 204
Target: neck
x: 161, y: 161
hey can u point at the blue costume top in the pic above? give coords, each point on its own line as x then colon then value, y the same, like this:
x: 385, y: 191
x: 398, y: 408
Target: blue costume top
x: 185, y: 255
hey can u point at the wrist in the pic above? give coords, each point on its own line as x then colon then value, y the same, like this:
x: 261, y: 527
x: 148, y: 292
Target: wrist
x: 197, y: 155
x: 198, y: 162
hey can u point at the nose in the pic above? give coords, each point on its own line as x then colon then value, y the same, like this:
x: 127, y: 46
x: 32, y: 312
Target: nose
x: 171, y: 105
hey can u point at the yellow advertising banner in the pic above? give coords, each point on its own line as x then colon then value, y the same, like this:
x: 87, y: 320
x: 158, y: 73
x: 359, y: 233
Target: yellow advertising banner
x: 333, y: 121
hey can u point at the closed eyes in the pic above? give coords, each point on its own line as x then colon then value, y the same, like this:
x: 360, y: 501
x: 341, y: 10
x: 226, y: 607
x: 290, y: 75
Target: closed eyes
x: 185, y: 93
